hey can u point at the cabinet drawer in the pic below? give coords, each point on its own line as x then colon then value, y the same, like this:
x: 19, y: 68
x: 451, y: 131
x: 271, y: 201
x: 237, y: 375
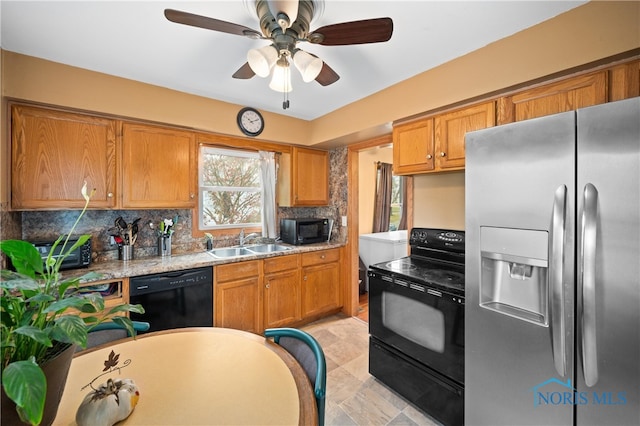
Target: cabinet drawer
x: 236, y: 271
x: 281, y: 263
x: 323, y: 256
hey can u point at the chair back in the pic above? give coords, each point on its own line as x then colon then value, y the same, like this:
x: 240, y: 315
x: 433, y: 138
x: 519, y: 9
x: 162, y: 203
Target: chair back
x: 308, y: 352
x: 110, y: 331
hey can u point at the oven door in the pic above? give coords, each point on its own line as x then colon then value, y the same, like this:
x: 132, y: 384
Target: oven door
x: 426, y: 324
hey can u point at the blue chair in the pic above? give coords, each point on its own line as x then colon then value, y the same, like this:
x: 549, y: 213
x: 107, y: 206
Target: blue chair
x: 307, y: 351
x: 109, y: 331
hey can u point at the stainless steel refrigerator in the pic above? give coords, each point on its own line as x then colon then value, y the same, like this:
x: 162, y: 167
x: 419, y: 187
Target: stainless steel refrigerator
x: 552, y: 314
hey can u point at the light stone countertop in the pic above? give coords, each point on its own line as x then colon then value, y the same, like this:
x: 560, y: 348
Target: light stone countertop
x: 117, y: 269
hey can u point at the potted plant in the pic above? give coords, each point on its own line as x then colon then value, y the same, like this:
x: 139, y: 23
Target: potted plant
x: 41, y: 312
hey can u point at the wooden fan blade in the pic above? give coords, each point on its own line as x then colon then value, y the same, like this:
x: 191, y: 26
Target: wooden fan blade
x: 355, y: 32
x: 244, y: 72
x: 327, y: 75
x: 199, y: 21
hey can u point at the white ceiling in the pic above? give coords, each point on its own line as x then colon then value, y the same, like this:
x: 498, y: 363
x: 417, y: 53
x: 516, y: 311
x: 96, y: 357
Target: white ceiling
x: 132, y: 39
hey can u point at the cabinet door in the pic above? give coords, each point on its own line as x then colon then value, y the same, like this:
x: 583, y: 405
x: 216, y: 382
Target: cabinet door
x: 237, y: 305
x: 159, y: 167
x: 53, y: 153
x: 281, y: 298
x: 320, y: 289
x: 413, y: 147
x: 310, y: 177
x: 567, y: 95
x: 451, y: 128
x: 624, y: 81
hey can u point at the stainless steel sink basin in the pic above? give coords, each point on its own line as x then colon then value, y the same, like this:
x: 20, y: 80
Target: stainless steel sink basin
x: 230, y: 252
x: 267, y: 248
x: 226, y: 252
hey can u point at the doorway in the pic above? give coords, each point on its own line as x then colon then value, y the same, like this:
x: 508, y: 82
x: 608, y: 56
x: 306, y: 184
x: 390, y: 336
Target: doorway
x: 363, y: 159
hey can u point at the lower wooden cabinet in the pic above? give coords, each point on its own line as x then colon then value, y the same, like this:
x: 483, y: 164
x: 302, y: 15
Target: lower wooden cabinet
x: 281, y: 291
x: 320, y: 282
x: 237, y: 298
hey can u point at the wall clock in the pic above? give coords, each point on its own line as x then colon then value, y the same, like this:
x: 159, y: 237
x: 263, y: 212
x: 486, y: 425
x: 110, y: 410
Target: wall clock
x: 250, y: 121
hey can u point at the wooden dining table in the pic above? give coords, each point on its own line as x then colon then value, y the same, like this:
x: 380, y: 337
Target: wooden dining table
x: 197, y: 376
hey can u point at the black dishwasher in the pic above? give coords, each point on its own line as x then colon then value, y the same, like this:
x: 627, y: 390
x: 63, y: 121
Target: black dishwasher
x: 174, y: 299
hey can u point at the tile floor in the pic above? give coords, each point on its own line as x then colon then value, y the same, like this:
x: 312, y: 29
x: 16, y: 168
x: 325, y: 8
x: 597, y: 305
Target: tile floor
x: 354, y: 397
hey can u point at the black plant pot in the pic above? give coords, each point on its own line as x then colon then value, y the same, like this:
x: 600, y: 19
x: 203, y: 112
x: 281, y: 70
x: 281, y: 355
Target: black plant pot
x: 56, y: 370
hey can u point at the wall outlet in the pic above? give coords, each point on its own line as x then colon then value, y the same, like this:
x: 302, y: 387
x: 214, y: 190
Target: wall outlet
x: 344, y: 221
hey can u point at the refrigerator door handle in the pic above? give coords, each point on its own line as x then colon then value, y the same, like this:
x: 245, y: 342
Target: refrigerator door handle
x: 587, y: 285
x: 556, y: 272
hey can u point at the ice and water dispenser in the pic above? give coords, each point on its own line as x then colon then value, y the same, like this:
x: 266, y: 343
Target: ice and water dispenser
x: 514, y: 273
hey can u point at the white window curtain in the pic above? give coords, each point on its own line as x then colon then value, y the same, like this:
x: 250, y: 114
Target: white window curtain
x: 268, y: 169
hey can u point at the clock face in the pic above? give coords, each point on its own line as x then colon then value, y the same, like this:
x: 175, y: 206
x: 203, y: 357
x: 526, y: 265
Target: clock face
x: 250, y: 122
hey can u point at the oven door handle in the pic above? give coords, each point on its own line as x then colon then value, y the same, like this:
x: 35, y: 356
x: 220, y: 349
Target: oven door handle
x: 556, y: 273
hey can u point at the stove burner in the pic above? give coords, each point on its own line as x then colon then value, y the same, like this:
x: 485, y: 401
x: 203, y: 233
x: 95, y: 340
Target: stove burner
x: 441, y: 276
x: 401, y: 266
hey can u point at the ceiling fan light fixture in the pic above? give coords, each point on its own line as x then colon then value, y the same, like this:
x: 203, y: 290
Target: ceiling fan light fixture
x: 281, y: 79
x: 285, y: 12
x: 262, y: 60
x: 308, y: 65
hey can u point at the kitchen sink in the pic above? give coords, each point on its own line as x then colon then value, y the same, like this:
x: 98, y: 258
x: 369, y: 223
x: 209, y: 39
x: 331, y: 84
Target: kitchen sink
x: 230, y: 252
x: 226, y: 252
x: 267, y: 248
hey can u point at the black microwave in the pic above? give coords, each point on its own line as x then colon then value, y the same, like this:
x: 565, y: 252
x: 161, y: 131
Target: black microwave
x: 304, y: 231
x: 80, y: 257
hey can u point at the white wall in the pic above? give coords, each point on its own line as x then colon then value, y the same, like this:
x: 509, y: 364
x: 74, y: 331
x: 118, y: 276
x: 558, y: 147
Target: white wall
x: 439, y: 201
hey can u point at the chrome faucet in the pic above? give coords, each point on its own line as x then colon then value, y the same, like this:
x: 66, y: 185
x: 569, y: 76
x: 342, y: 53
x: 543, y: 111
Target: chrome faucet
x: 244, y: 239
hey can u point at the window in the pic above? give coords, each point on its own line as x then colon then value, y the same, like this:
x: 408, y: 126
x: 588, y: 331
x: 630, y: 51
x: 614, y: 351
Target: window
x: 397, y: 183
x: 230, y: 186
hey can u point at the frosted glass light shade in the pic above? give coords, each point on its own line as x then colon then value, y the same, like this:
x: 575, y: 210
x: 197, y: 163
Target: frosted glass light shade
x: 281, y: 80
x: 262, y: 60
x: 308, y: 65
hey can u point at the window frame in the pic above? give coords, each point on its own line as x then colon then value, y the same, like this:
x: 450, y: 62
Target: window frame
x: 232, y: 152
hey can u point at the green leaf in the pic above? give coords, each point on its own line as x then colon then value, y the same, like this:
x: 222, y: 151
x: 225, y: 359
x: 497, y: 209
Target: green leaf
x: 70, y: 329
x: 25, y: 384
x: 127, y: 307
x: 24, y: 256
x: 34, y: 333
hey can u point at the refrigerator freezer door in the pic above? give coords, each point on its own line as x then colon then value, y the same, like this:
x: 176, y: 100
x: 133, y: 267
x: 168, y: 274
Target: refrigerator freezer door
x: 514, y: 174
x: 608, y: 257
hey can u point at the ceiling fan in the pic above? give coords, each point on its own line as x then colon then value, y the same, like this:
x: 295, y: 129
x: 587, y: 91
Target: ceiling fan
x: 285, y: 23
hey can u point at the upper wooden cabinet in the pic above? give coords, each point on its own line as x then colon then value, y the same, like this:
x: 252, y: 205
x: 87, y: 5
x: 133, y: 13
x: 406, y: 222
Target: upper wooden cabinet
x: 450, y: 131
x: 624, y: 81
x: 159, y: 167
x: 53, y: 153
x: 567, y: 95
x: 413, y: 146
x: 304, y: 178
x: 436, y: 143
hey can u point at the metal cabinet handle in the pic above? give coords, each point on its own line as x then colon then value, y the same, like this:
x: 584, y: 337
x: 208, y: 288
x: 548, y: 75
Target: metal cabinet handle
x: 429, y: 156
x: 192, y: 196
x: 110, y: 195
x: 323, y: 256
x: 267, y: 286
x: 587, y: 284
x: 442, y: 154
x: 556, y: 271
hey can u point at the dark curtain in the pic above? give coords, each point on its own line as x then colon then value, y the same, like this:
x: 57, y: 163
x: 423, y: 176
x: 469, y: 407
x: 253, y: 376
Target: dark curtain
x: 403, y: 191
x: 382, y: 208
